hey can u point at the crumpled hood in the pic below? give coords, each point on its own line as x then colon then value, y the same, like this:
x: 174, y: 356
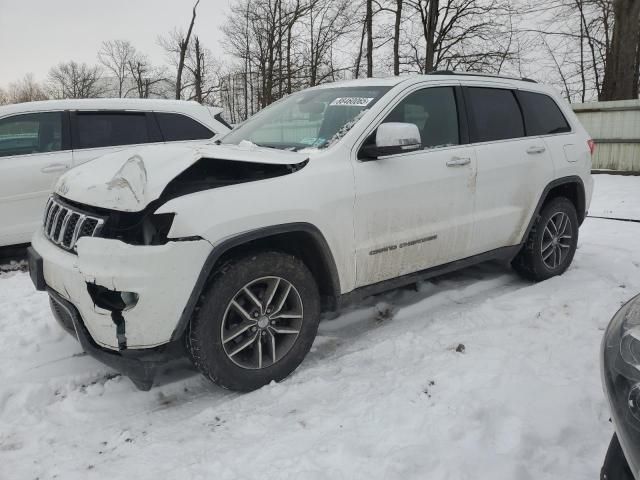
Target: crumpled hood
x: 130, y: 179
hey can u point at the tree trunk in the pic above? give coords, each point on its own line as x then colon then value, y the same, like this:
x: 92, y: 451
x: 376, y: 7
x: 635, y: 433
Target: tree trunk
x: 289, y: 73
x: 359, y: 58
x: 583, y: 80
x: 636, y: 79
x: 396, y: 38
x: 369, y: 23
x: 184, y: 45
x: 198, y: 73
x: 621, y: 67
x: 432, y: 25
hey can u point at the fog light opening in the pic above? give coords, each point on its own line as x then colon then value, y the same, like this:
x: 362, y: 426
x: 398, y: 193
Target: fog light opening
x: 112, y: 300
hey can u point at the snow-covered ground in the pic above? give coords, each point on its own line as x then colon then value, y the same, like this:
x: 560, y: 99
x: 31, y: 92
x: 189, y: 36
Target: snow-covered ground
x: 378, y: 397
x: 621, y: 199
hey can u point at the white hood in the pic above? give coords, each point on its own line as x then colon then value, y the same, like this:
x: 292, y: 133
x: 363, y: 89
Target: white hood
x: 131, y: 179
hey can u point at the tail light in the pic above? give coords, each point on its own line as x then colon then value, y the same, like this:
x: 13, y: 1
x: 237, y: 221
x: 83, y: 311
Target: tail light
x: 592, y: 146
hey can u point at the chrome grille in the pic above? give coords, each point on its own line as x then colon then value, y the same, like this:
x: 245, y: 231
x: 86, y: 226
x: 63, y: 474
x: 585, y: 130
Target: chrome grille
x: 64, y: 225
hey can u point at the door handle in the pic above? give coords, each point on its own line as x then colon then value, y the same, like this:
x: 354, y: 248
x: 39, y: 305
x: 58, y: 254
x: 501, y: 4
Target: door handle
x: 55, y: 167
x: 458, y: 161
x: 535, y: 149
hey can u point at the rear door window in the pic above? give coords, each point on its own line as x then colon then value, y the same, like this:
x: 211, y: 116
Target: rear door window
x: 107, y: 129
x: 495, y: 114
x: 542, y: 116
x: 31, y: 133
x: 176, y: 127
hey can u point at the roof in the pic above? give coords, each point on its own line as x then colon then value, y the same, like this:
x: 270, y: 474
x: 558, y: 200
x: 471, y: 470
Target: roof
x: 437, y: 77
x: 101, y: 104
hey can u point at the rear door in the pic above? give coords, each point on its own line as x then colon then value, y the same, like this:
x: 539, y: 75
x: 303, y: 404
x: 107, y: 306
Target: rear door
x: 34, y: 152
x: 415, y: 210
x: 96, y: 133
x: 512, y: 168
x: 545, y: 120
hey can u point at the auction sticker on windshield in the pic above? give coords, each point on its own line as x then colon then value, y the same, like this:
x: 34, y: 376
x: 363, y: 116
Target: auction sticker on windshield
x: 352, y: 101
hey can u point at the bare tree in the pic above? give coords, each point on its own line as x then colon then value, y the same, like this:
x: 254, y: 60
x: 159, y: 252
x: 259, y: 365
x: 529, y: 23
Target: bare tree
x: 201, y: 68
x: 25, y: 90
x: 568, y: 42
x: 396, y: 37
x: 368, y: 21
x: 329, y: 21
x: 115, y: 56
x: 238, y: 42
x: 4, y: 98
x: 75, y: 80
x: 395, y: 9
x: 458, y: 34
x: 147, y: 79
x: 176, y: 45
x: 623, y: 59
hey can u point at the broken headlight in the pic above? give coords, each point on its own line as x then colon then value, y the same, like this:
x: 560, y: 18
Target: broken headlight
x: 155, y: 228
x: 138, y: 228
x: 620, y: 364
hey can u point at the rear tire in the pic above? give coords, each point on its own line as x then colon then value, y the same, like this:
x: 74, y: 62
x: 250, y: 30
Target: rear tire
x: 552, y: 242
x: 256, y: 322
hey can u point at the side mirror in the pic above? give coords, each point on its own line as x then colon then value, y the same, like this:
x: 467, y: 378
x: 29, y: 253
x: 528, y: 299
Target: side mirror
x: 391, y: 139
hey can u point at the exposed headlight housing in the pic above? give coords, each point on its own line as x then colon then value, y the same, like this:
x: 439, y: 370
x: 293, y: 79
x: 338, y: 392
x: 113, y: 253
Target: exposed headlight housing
x: 144, y: 228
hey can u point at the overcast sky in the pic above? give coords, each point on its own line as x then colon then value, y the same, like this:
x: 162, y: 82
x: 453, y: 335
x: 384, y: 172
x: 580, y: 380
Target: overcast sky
x: 37, y: 34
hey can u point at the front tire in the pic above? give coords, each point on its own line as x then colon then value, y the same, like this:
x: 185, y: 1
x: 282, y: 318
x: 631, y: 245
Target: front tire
x: 256, y: 322
x: 552, y: 242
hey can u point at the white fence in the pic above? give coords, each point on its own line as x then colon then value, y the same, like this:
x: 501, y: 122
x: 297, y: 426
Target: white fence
x: 615, y: 127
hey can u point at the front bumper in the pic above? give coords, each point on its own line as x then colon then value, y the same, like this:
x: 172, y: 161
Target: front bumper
x: 139, y: 365
x: 162, y: 276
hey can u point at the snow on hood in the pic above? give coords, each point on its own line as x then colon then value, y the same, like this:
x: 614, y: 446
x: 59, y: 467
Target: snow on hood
x: 130, y: 179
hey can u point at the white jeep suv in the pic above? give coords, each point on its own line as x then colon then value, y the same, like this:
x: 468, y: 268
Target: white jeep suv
x: 39, y: 141
x: 233, y: 250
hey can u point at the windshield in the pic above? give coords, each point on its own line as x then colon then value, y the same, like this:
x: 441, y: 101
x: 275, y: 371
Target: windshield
x: 308, y: 119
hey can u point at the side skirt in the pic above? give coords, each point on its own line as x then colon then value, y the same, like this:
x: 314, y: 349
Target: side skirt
x: 505, y: 254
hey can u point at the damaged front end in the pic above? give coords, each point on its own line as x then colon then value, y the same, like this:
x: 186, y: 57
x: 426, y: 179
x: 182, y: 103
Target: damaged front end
x: 117, y: 279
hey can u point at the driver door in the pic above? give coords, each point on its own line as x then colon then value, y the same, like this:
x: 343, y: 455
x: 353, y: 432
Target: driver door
x: 415, y: 210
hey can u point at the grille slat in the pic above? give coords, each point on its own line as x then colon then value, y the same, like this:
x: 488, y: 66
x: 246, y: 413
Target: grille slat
x: 50, y: 217
x: 63, y: 228
x: 64, y: 225
x: 57, y: 224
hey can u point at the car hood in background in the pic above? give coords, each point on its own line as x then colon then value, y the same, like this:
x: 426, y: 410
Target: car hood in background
x: 131, y: 179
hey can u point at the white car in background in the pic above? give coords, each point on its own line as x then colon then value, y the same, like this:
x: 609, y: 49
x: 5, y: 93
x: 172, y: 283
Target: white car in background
x: 39, y: 141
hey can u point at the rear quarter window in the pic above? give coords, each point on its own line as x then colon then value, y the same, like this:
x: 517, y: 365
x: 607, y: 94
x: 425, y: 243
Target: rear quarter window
x: 495, y: 114
x: 108, y: 129
x: 542, y: 116
x: 176, y: 127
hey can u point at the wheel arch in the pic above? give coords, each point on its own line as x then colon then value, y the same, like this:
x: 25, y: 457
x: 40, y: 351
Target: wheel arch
x: 571, y: 187
x: 303, y: 240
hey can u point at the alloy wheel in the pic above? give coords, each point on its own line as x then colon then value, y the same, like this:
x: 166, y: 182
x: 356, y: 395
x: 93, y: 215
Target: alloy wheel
x: 262, y: 322
x: 556, y: 240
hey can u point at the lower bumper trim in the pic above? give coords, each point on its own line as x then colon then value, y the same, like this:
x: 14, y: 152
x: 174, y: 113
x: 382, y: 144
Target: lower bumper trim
x: 140, y: 366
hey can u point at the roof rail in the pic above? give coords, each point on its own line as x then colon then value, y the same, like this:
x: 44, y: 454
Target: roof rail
x: 473, y: 74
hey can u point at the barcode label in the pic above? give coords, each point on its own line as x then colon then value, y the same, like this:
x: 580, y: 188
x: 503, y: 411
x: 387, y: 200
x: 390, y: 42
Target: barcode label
x: 352, y: 101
